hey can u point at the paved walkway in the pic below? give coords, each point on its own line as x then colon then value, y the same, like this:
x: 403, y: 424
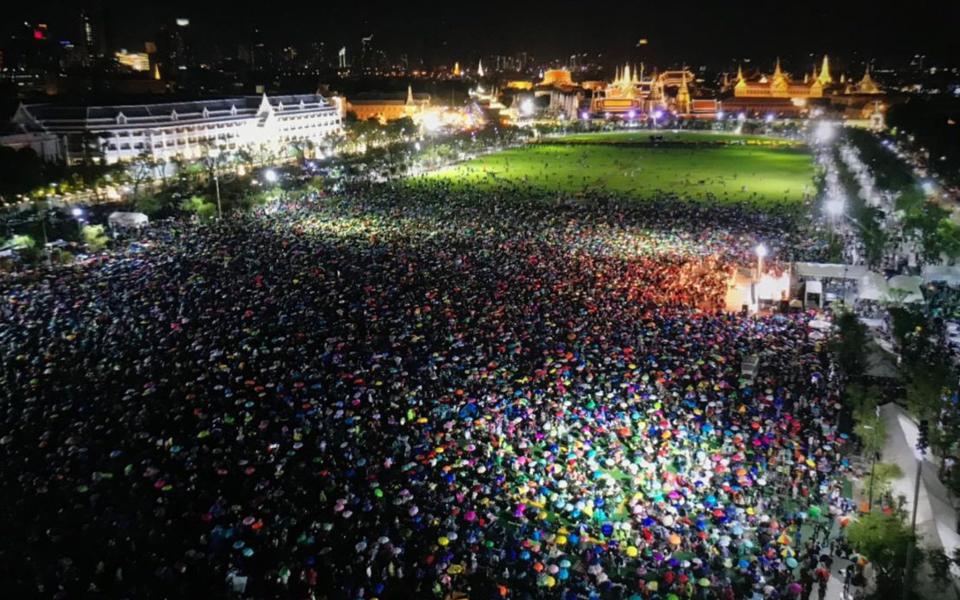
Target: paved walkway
x: 936, y: 516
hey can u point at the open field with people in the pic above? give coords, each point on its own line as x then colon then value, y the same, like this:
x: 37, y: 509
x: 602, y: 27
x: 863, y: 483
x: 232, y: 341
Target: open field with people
x: 692, y: 165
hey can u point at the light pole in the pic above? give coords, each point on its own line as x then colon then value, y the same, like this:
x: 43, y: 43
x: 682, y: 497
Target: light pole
x: 834, y: 208
x: 922, y: 444
x: 875, y: 434
x: 761, y: 254
x: 214, y: 154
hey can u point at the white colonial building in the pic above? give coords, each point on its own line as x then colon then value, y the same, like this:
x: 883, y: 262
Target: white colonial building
x: 177, y: 129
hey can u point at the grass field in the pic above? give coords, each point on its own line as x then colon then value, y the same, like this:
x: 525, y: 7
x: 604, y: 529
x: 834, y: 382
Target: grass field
x: 681, y: 137
x: 730, y: 168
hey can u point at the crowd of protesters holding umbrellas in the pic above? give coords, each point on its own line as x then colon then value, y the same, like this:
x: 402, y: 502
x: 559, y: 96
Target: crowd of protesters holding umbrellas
x: 411, y: 391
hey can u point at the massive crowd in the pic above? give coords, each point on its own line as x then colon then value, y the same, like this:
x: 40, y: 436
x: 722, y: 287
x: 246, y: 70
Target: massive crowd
x: 406, y: 393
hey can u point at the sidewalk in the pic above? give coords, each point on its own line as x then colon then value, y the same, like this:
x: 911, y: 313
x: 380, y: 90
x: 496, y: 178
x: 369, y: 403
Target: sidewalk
x: 936, y: 516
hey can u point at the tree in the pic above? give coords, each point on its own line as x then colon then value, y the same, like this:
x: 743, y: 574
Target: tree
x: 94, y: 237
x: 883, y: 539
x: 315, y: 185
x: 21, y: 171
x: 20, y: 242
x: 948, y: 238
x: 142, y: 169
x: 906, y: 321
x: 868, y: 426
x: 148, y: 204
x: 299, y: 149
x: 199, y: 207
x: 401, y: 128
x: 849, y: 344
x: 924, y: 221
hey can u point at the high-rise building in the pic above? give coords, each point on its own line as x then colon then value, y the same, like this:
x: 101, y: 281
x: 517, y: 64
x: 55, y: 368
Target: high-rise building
x: 366, y: 52
x: 174, y: 52
x: 93, y: 38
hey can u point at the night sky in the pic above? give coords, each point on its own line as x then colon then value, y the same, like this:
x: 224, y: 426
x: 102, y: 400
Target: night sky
x: 695, y: 32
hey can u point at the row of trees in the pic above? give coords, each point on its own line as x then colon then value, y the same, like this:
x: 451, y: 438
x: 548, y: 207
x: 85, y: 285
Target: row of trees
x: 930, y: 393
x: 868, y: 220
x: 923, y: 221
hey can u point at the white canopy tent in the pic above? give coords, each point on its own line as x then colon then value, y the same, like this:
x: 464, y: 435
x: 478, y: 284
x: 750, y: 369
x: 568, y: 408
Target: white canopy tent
x: 948, y: 274
x: 872, y: 286
x: 829, y: 270
x: 905, y: 288
x: 127, y: 220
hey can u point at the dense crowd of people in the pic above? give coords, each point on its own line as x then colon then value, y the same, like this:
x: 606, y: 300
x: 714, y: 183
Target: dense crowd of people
x: 410, y: 393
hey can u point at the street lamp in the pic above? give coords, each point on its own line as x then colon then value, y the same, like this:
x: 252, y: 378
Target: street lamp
x: 214, y: 154
x: 761, y: 254
x: 834, y: 207
x: 824, y: 132
x: 270, y: 176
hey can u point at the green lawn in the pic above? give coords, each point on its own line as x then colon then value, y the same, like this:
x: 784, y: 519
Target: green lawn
x: 685, y: 137
x: 626, y: 163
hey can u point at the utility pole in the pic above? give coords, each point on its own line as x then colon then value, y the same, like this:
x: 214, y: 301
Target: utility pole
x: 922, y: 443
x: 216, y: 182
x: 873, y: 463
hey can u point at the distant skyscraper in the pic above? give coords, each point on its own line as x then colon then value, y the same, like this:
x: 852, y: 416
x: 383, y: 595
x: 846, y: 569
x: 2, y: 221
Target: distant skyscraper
x: 342, y: 58
x: 180, y: 45
x: 92, y: 34
x: 366, y: 52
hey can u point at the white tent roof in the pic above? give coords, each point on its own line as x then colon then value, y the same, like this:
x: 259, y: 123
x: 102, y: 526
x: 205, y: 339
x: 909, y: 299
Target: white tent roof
x: 907, y: 287
x: 820, y: 324
x: 945, y: 273
x: 127, y: 219
x: 831, y: 270
x: 872, y: 286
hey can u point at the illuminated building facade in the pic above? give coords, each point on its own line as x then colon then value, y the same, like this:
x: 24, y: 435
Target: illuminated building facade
x: 386, y: 108
x: 135, y: 61
x: 779, y: 85
x: 180, y: 129
x: 635, y: 95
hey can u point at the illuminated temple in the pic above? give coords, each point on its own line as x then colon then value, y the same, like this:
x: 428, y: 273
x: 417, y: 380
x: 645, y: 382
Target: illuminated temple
x: 779, y: 85
x: 633, y: 94
x: 781, y: 95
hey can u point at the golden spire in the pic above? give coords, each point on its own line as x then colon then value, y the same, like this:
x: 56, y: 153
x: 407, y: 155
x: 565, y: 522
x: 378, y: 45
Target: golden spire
x: 867, y: 85
x: 777, y: 73
x: 739, y: 73
x: 825, y: 77
x: 683, y: 95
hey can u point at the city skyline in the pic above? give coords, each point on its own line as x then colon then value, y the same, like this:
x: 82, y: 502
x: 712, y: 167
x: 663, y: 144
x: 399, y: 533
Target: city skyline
x: 440, y: 33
